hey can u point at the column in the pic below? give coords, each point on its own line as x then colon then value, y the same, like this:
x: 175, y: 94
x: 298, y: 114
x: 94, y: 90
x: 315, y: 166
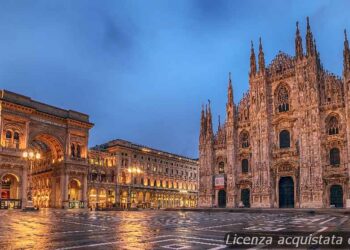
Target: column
x: 117, y: 195
x: 97, y: 197
x: 24, y: 186
x: 53, y: 192
x: 64, y: 190
x: 85, y: 190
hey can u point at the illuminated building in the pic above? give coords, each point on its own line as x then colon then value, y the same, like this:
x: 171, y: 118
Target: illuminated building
x: 141, y: 177
x: 287, y: 142
x: 64, y: 173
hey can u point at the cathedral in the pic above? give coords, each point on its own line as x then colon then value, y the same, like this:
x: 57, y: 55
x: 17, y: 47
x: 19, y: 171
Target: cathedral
x: 286, y: 143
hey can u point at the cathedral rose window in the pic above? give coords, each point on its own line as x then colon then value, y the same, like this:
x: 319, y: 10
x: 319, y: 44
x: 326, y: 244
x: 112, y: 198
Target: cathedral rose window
x: 282, y: 99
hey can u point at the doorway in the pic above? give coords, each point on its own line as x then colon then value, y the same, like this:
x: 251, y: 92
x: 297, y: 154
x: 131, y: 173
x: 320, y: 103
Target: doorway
x: 286, y: 192
x: 222, y: 198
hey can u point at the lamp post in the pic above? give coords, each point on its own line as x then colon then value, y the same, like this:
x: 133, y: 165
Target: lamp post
x: 30, y: 156
x: 132, y: 171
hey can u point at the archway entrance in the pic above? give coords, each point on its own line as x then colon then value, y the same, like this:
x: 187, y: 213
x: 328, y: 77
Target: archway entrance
x: 336, y: 196
x: 286, y: 192
x: 74, y: 194
x: 222, y: 198
x: 10, y: 192
x: 92, y: 198
x: 245, y: 197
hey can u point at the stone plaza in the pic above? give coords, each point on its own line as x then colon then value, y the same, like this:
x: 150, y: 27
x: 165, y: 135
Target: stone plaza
x: 151, y: 229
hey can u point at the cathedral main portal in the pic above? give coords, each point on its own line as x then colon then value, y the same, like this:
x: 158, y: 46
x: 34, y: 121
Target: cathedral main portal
x: 286, y: 192
x: 222, y: 198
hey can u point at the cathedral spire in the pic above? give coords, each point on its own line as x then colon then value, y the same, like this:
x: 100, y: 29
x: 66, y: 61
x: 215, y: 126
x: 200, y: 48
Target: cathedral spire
x: 298, y: 44
x: 229, y: 91
x: 309, y: 40
x: 219, y: 123
x: 203, y: 123
x: 230, y: 101
x: 261, y: 58
x: 209, y: 125
x: 252, y: 60
x: 346, y: 55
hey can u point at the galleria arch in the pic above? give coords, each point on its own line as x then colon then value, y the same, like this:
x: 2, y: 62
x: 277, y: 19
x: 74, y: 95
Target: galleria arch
x: 30, y: 126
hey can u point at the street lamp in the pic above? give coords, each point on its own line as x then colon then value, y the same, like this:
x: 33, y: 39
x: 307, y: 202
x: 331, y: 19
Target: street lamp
x: 30, y: 156
x: 132, y: 171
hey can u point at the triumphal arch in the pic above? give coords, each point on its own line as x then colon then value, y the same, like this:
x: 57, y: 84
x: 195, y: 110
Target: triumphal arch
x: 60, y: 140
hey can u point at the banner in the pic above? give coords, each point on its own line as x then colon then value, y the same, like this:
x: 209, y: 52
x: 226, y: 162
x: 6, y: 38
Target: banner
x: 219, y: 182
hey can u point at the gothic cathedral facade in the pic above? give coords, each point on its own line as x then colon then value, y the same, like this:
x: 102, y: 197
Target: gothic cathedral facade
x: 286, y: 143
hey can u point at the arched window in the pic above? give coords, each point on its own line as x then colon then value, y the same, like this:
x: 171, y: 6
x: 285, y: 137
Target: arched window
x: 221, y: 168
x: 72, y: 149
x: 149, y: 182
x: 78, y: 151
x: 123, y: 178
x: 16, y: 139
x: 244, y: 139
x: 94, y: 175
x: 282, y: 99
x: 16, y: 136
x: 333, y: 126
x: 284, y: 139
x: 103, y: 176
x: 8, y: 134
x: 334, y: 156
x: 245, y: 167
x: 112, y: 176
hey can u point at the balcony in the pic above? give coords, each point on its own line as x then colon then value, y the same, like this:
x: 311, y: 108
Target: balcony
x: 11, y: 151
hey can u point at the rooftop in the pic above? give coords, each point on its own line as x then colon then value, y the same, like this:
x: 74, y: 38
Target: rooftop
x: 22, y: 100
x: 146, y: 149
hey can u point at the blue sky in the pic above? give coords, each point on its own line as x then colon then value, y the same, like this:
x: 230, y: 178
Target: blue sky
x: 142, y: 69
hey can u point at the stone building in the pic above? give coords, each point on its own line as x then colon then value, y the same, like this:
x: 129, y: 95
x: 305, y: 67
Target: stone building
x: 286, y: 143
x: 134, y: 175
x: 61, y: 138
x: 67, y: 174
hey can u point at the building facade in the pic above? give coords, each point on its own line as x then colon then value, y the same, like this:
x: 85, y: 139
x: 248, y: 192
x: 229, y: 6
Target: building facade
x: 61, y: 138
x: 139, y: 176
x: 286, y: 143
x: 66, y: 174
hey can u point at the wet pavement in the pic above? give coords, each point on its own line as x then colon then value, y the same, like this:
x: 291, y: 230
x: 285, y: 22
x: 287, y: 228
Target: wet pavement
x: 81, y: 229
